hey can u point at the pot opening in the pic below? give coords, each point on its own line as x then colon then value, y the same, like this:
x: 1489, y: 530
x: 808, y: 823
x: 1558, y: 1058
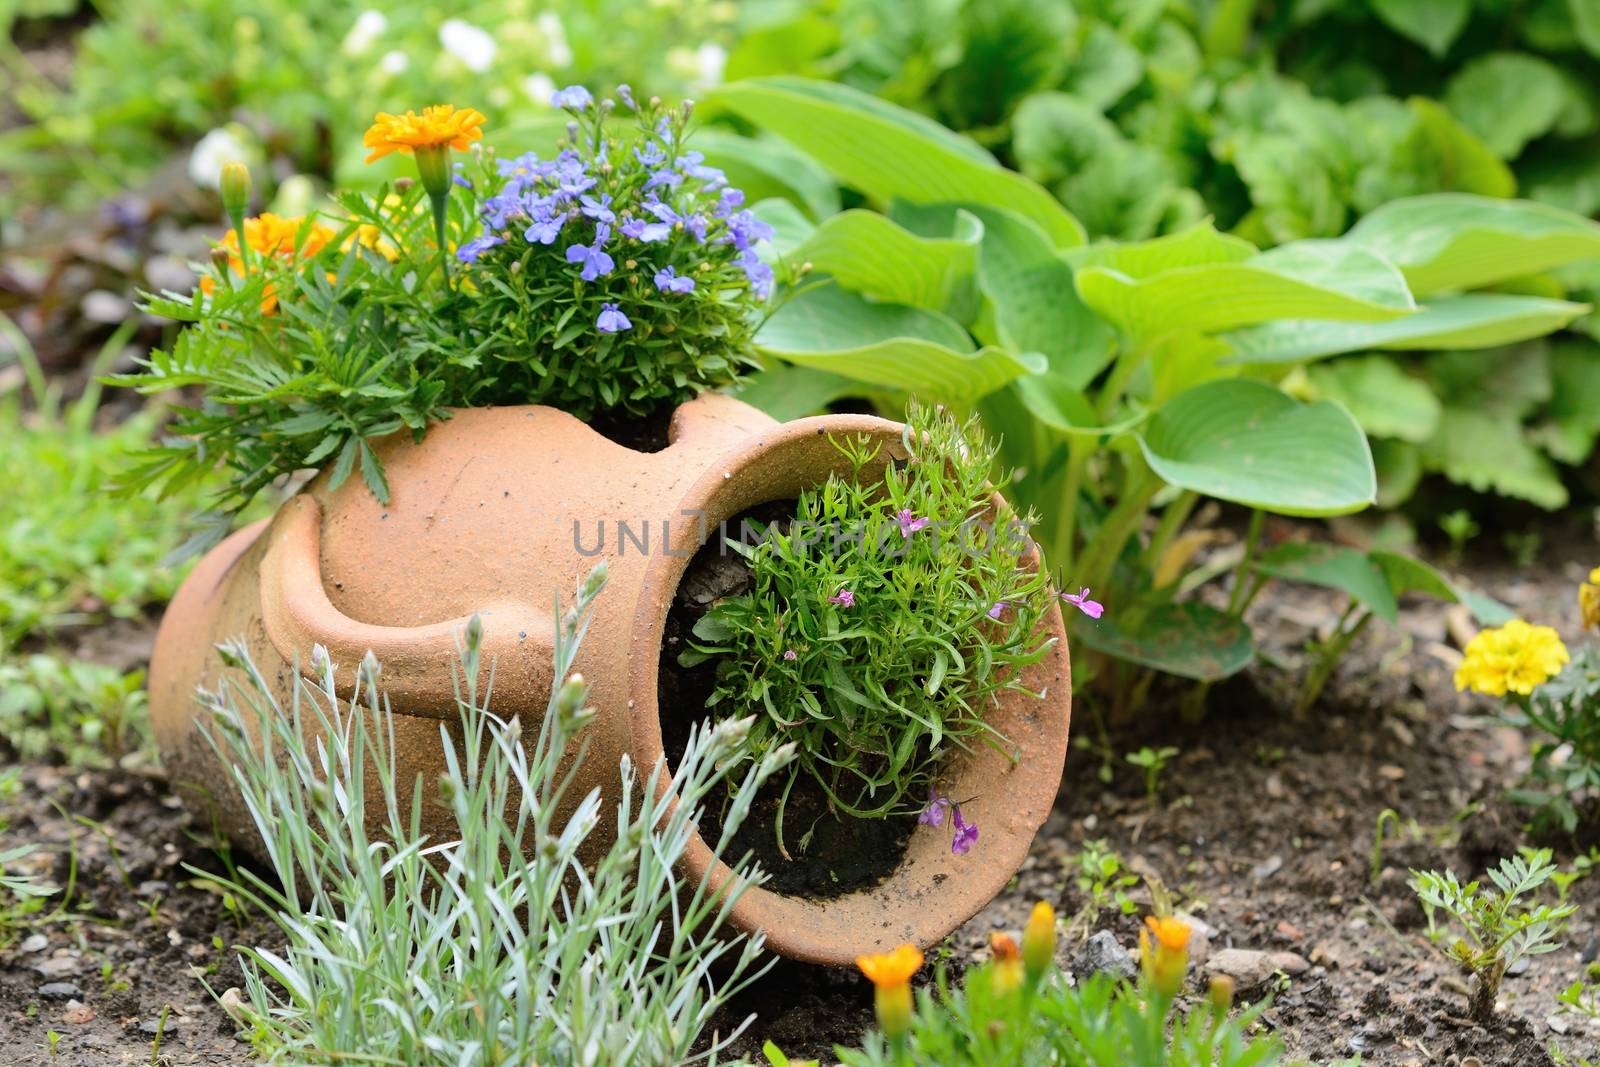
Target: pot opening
x: 642, y: 433
x: 841, y: 854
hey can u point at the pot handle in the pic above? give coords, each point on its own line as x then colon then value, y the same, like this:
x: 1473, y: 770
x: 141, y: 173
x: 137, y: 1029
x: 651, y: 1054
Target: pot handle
x: 417, y: 661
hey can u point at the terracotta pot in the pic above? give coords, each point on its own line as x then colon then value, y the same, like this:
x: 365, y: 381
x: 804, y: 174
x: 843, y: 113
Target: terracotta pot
x: 495, y: 512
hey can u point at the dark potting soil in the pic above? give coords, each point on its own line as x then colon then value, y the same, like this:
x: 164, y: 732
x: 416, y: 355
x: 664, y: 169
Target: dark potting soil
x: 642, y: 433
x: 843, y: 854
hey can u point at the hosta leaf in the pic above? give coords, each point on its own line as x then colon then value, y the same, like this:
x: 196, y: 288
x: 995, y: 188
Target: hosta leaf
x: 833, y: 329
x: 1472, y: 320
x: 1199, y: 245
x: 789, y: 392
x: 790, y: 227
x: 1450, y: 241
x: 1307, y: 279
x: 1333, y: 567
x: 1245, y: 441
x: 767, y: 167
x: 867, y: 252
x: 890, y: 153
x: 1385, y: 400
x: 1572, y: 420
x: 1407, y: 574
x: 1190, y: 640
x: 1399, y: 467
x: 1508, y: 99
x: 1434, y: 24
x: 1489, y: 453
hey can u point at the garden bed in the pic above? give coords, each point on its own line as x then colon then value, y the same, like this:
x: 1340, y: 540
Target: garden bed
x: 1264, y: 833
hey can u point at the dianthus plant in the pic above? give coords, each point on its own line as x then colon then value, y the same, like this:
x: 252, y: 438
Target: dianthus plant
x: 883, y: 623
x: 616, y: 272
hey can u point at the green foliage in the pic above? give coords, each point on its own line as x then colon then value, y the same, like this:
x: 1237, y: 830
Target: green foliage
x: 80, y: 712
x: 1100, y: 876
x: 497, y: 941
x: 1564, y: 780
x: 1097, y: 1023
x: 879, y: 687
x: 1153, y: 762
x: 1497, y: 925
x: 22, y: 896
x: 340, y: 334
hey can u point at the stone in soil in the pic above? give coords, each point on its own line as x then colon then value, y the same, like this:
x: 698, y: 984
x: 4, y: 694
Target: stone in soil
x: 1103, y: 954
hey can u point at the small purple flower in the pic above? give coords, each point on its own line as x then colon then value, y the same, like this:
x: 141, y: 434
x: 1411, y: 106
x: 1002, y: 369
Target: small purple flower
x: 909, y: 523
x: 745, y: 230
x: 650, y: 155
x: 1080, y: 600
x: 469, y: 252
x: 625, y: 94
x: 730, y: 201
x: 966, y: 833
x: 665, y: 176
x: 844, y: 598
x: 599, y: 210
x: 667, y: 281
x: 998, y: 609
x: 759, y: 274
x: 649, y: 232
x: 933, y: 814
x: 573, y: 96
x: 465, y: 183
x: 790, y: 654
x: 611, y: 320
x: 596, y: 262
x: 545, y: 231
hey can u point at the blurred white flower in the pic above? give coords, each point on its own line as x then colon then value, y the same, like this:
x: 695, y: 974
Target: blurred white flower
x: 710, y: 59
x: 473, y: 46
x: 556, y: 48
x: 369, y: 27
x: 394, y: 62
x: 540, y: 87
x: 221, y: 145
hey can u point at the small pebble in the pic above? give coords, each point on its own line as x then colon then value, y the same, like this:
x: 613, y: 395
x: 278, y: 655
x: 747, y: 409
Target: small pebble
x: 60, y: 990
x: 78, y: 1014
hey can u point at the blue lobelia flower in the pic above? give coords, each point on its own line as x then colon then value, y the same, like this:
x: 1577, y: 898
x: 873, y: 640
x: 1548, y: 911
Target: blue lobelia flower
x: 469, y: 252
x: 573, y: 96
x: 759, y: 274
x: 649, y: 232
x: 599, y: 210
x: 625, y: 94
x: 611, y: 320
x: 593, y: 257
x: 744, y: 230
x: 546, y: 225
x: 667, y: 281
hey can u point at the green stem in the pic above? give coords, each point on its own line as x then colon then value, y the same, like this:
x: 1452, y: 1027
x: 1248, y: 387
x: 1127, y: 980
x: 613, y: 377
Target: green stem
x: 1129, y: 360
x: 1064, y: 543
x: 1103, y: 550
x: 1229, y: 28
x: 1240, y: 577
x: 1332, y: 651
x: 1173, y: 517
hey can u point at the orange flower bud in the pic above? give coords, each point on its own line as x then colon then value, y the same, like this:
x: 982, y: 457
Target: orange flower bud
x: 1039, y: 941
x: 1164, y: 961
x: 1007, y: 974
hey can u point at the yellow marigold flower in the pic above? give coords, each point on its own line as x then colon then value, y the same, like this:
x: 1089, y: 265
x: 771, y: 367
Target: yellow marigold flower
x: 890, y: 974
x: 440, y: 126
x: 1589, y: 600
x: 371, y: 236
x: 891, y: 968
x: 270, y: 237
x: 1516, y: 658
x: 1166, y: 960
x: 1039, y: 940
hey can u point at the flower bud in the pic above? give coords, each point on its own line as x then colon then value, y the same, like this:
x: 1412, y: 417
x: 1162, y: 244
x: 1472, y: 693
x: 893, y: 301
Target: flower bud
x: 1039, y: 941
x: 1220, y: 994
x: 403, y: 185
x: 219, y: 259
x: 1165, y: 959
x: 1008, y: 967
x: 235, y: 188
x: 890, y: 974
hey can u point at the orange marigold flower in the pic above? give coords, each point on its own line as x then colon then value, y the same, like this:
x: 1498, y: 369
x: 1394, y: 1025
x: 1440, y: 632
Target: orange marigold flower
x: 440, y: 126
x: 273, y: 237
x: 1167, y: 960
x: 1171, y: 932
x: 891, y: 968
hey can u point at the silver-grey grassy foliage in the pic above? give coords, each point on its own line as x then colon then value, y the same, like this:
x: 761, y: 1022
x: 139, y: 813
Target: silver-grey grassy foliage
x: 498, y: 947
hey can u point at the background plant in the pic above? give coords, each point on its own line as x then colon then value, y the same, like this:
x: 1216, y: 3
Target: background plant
x: 884, y: 622
x: 499, y: 943
x: 1498, y: 925
x: 1562, y: 783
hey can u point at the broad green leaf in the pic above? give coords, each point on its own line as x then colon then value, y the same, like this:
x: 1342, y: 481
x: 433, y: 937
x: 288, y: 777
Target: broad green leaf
x: 1333, y: 567
x: 1199, y: 245
x: 890, y: 153
x: 1067, y: 410
x: 781, y: 47
x: 1245, y: 441
x: 869, y: 253
x: 766, y: 167
x: 1307, y: 279
x: 1407, y: 574
x: 1107, y: 67
x: 790, y: 228
x: 1472, y: 320
x: 789, y: 392
x: 1572, y: 420
x: 1191, y: 640
x: 833, y: 329
x: 1385, y: 400
x: 1508, y: 99
x: 1586, y: 20
x: 1452, y: 241
x: 1490, y: 454
x: 1399, y: 467
x: 1434, y: 24
x: 1514, y: 382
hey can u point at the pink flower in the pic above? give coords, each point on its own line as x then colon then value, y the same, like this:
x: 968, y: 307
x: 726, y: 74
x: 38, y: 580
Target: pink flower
x: 909, y: 524
x: 933, y: 814
x: 999, y: 608
x: 844, y: 598
x: 790, y: 654
x: 966, y: 833
x: 1080, y: 600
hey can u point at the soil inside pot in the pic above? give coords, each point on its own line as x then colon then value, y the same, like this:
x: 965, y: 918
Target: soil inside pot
x: 844, y: 854
x: 642, y: 433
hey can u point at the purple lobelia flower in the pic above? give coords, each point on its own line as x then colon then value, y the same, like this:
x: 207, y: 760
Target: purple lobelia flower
x: 1080, y: 600
x: 573, y: 96
x: 933, y: 814
x: 599, y: 210
x: 844, y: 598
x: 745, y: 230
x: 651, y: 155
x: 998, y: 609
x: 625, y: 94
x: 909, y: 523
x: 966, y: 833
x: 759, y: 274
x: 648, y: 232
x: 790, y: 654
x: 469, y: 252
x: 666, y: 176
x: 667, y: 281
x: 611, y: 320
x: 546, y: 228
x: 596, y: 262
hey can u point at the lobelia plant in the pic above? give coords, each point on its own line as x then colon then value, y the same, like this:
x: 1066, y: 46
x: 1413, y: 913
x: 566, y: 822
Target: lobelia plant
x: 881, y: 624
x: 619, y: 274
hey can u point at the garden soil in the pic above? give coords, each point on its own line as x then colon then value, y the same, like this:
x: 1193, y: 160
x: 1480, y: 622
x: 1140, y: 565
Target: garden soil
x: 1263, y: 830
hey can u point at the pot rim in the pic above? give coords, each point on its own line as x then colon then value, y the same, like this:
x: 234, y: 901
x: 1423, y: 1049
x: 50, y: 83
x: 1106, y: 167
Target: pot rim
x: 834, y: 931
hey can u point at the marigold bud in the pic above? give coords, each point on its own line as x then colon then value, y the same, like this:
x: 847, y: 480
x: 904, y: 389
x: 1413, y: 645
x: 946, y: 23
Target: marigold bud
x: 1589, y: 600
x: 235, y: 188
x: 1007, y: 974
x: 403, y: 185
x: 1039, y: 941
x: 1165, y: 960
x: 1220, y: 993
x: 890, y: 974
